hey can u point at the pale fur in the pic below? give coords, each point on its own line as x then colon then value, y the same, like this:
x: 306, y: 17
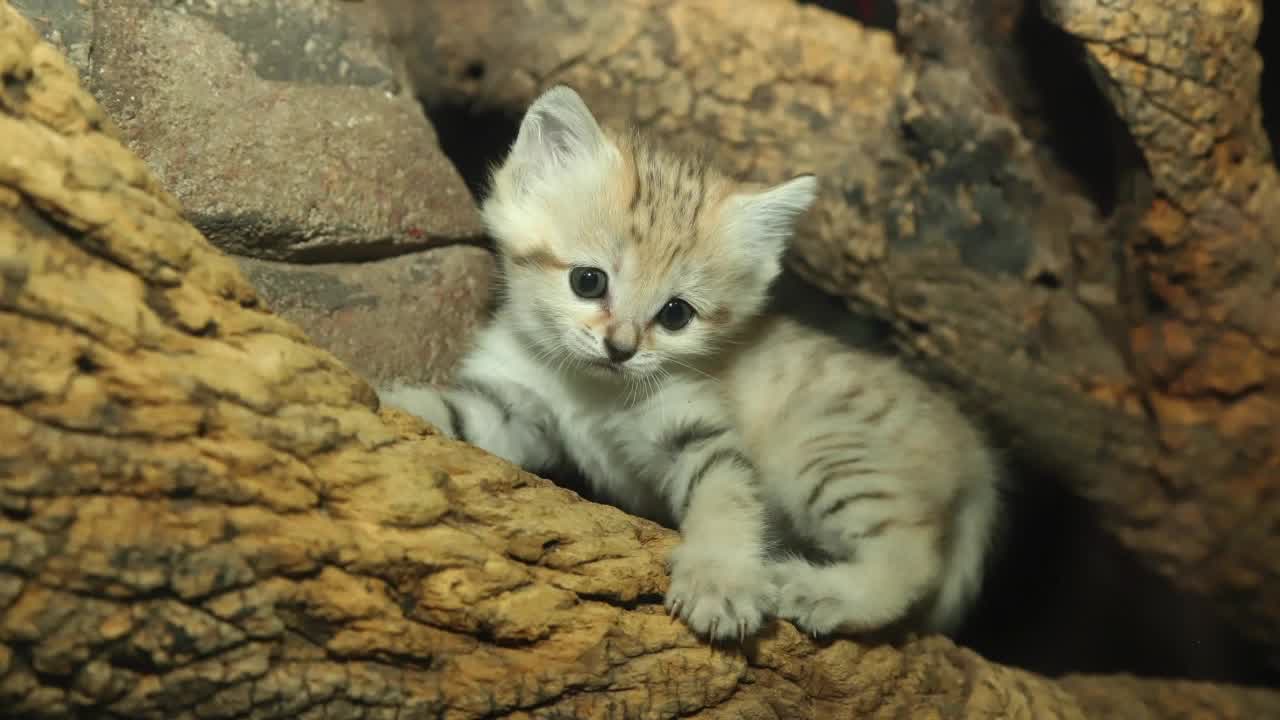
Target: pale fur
x: 731, y: 426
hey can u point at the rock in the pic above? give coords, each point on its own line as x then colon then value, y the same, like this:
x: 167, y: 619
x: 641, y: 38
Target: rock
x: 408, y: 317
x: 66, y: 24
x: 277, y: 125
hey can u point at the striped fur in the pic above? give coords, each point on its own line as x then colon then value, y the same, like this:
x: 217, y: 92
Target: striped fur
x: 718, y: 426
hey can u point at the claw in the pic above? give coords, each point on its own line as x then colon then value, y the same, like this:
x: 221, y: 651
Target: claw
x: 715, y: 624
x: 742, y: 632
x: 674, y: 609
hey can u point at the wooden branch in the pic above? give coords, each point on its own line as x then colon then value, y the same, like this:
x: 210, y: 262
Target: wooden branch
x: 1147, y: 379
x: 202, y: 515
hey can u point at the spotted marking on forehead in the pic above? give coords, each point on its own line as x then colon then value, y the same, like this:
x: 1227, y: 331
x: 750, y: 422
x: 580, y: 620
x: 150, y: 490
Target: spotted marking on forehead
x: 668, y: 206
x: 637, y: 190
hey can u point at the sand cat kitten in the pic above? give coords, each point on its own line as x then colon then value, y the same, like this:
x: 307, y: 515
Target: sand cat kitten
x: 631, y: 343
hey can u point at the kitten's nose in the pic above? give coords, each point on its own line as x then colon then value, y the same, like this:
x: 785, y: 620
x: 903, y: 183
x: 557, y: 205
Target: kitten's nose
x: 618, y: 353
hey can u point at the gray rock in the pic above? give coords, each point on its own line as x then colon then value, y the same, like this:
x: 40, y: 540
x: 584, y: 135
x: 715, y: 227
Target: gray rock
x: 278, y: 126
x: 305, y: 41
x: 66, y: 24
x: 409, y: 317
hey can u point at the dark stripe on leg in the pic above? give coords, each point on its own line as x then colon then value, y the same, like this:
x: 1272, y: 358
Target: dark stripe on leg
x: 817, y: 489
x: 832, y: 473
x: 856, y: 497
x: 879, y: 413
x: 843, y: 438
x: 488, y: 392
x: 456, y: 426
x: 719, y: 457
x: 813, y: 463
x: 877, y: 529
x: 848, y: 463
x: 682, y: 436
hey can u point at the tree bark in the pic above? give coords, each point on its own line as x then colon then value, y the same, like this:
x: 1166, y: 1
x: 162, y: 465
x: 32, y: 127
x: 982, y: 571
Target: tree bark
x: 203, y: 515
x: 1104, y: 291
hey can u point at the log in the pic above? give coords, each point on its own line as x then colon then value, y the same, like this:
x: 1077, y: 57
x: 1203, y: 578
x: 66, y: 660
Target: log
x: 1087, y: 255
x: 204, y: 515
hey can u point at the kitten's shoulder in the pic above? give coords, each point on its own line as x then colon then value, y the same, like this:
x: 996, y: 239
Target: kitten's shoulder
x: 773, y: 332
x: 498, y: 351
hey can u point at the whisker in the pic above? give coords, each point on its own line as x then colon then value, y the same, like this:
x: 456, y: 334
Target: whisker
x: 662, y: 405
x: 690, y: 367
x: 630, y: 392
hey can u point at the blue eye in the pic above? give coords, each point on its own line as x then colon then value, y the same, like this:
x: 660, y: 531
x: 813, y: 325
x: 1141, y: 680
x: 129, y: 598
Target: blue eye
x: 588, y: 282
x: 675, y: 315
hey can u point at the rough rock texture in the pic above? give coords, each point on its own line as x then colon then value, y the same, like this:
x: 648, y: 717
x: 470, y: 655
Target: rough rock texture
x: 202, y: 515
x: 1204, y: 335
x: 278, y: 125
x: 953, y: 207
x: 67, y: 24
x: 409, y: 317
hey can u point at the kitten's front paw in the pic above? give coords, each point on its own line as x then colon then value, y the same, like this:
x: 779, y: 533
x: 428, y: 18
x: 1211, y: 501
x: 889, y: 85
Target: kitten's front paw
x: 424, y: 401
x: 806, y: 598
x: 720, y: 592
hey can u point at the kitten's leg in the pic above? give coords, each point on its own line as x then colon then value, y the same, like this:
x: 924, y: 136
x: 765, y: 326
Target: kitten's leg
x: 501, y: 417
x: 894, y: 561
x: 720, y: 584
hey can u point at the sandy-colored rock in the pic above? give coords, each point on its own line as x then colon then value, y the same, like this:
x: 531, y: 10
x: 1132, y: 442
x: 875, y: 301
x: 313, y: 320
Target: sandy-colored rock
x: 409, y: 317
x: 279, y: 126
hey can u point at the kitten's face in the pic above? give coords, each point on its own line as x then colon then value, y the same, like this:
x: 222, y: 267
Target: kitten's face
x: 622, y: 261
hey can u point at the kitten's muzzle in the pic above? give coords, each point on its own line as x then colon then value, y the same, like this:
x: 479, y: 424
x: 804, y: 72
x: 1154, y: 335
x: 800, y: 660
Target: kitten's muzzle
x: 621, y: 340
x: 618, y: 354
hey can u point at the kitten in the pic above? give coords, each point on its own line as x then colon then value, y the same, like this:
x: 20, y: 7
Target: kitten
x: 632, y: 344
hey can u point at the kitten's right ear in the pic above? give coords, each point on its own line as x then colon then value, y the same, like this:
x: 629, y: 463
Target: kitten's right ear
x: 768, y: 217
x: 557, y: 129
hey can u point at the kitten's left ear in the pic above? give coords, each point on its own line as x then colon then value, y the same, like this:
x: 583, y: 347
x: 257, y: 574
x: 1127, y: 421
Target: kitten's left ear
x: 769, y: 217
x: 556, y: 129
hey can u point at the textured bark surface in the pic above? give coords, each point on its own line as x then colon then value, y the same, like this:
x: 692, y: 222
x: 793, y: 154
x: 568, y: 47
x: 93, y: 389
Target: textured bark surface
x: 1110, y: 305
x: 202, y: 515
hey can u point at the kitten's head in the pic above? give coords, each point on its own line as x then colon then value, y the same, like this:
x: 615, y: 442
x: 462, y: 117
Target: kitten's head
x: 620, y: 258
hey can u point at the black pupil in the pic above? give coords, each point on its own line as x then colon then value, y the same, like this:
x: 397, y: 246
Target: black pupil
x: 675, y: 314
x: 588, y: 282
